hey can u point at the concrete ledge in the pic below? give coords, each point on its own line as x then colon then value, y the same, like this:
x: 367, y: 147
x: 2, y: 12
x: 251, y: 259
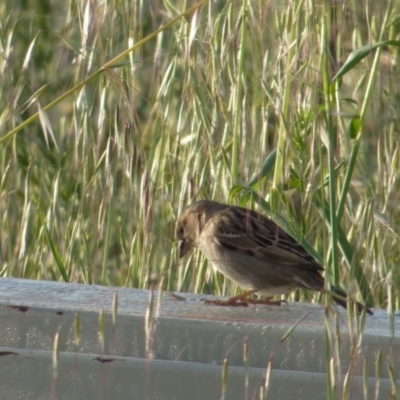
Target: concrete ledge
x: 83, y: 376
x: 188, y: 342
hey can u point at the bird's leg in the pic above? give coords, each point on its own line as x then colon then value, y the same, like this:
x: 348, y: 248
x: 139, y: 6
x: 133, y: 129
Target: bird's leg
x: 266, y: 300
x: 241, y: 300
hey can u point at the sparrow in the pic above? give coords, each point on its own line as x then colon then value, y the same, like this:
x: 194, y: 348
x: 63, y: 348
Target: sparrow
x: 252, y: 251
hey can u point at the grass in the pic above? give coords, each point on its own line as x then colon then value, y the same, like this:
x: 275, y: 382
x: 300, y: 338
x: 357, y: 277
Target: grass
x: 236, y: 103
x: 91, y: 190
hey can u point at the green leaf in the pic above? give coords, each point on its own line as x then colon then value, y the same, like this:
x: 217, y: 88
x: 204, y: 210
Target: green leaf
x: 267, y: 167
x: 356, y: 56
x: 354, y: 128
x: 347, y: 252
x: 349, y: 100
x: 234, y: 191
x: 53, y: 248
x: 246, y: 197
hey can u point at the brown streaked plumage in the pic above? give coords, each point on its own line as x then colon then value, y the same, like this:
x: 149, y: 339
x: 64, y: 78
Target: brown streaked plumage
x: 250, y: 249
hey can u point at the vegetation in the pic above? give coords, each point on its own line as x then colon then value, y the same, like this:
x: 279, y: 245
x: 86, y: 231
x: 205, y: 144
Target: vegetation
x: 236, y: 102
x: 292, y: 109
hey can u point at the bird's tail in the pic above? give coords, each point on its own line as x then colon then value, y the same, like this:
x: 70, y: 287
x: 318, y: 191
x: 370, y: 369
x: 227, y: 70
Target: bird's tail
x: 340, y: 298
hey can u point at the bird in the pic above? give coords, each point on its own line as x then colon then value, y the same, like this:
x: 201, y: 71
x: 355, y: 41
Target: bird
x: 252, y: 251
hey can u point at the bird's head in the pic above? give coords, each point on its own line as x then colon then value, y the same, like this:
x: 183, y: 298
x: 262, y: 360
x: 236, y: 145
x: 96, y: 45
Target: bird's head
x: 191, y: 222
x: 187, y: 229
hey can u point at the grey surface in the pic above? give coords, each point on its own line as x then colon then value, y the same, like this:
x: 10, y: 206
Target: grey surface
x: 188, y: 343
x: 82, y: 376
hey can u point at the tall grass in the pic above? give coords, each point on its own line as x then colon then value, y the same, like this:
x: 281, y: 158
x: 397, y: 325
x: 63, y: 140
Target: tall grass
x: 234, y: 103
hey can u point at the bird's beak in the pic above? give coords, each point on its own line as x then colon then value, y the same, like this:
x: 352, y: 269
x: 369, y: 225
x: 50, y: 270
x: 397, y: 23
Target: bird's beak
x: 184, y: 247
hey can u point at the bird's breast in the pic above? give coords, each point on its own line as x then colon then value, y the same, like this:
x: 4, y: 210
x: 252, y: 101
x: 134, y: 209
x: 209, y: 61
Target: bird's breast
x: 249, y: 272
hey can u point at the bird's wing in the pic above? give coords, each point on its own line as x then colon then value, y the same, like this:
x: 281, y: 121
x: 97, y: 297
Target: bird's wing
x: 249, y: 232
